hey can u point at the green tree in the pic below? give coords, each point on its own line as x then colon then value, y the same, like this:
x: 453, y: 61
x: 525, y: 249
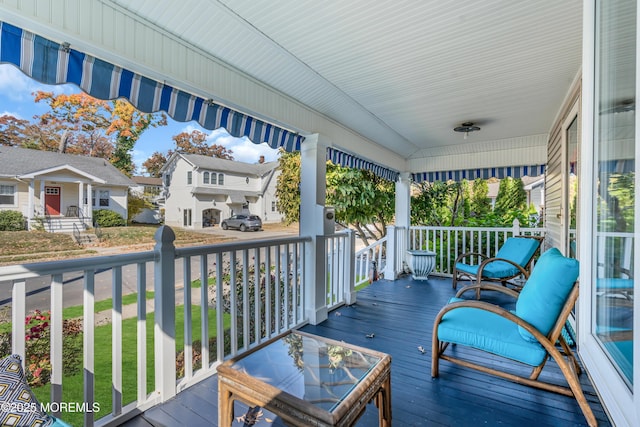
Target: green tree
x: 362, y: 200
x: 429, y: 205
x: 480, y: 202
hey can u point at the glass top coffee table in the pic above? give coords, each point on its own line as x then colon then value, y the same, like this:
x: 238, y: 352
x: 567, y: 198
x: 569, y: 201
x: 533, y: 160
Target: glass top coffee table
x: 307, y: 380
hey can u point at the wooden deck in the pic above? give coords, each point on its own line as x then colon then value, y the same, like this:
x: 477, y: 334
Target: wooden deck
x: 400, y: 316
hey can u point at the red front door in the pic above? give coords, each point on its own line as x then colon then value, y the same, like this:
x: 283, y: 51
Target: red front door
x: 52, y: 200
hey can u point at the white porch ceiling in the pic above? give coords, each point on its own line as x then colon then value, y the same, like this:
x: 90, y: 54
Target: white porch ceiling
x: 401, y: 74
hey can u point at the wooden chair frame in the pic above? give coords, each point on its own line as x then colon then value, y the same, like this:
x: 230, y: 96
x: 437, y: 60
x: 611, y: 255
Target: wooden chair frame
x: 565, y: 359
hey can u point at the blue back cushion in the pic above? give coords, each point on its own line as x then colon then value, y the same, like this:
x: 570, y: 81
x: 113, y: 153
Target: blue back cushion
x: 546, y: 291
x: 518, y: 249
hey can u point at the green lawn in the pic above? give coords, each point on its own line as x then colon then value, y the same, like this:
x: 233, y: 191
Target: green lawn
x: 73, y: 385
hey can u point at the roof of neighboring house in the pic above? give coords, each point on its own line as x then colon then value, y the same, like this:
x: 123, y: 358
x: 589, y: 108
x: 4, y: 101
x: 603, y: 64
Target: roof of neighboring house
x: 214, y: 191
x: 147, y: 180
x: 223, y: 165
x: 16, y: 162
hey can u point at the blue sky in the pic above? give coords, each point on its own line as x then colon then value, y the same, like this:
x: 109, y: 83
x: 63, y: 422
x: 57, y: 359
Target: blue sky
x: 16, y: 99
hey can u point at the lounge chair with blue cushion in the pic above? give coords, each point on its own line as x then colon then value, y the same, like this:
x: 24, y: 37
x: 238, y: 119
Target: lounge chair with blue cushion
x: 513, y: 259
x: 527, y: 335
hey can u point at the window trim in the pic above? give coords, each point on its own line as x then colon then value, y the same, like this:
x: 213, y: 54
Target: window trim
x: 14, y: 194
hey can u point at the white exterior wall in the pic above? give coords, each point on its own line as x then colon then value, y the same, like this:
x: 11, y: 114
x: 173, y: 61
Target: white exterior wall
x: 20, y: 199
x: 180, y: 195
x: 117, y: 201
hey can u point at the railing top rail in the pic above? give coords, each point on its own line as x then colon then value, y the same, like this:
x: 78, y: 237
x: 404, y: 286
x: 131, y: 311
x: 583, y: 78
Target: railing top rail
x: 36, y: 269
x: 236, y: 246
x: 521, y: 229
x: 373, y: 245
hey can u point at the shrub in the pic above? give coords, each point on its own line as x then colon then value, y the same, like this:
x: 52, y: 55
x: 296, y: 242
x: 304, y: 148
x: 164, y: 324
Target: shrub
x: 11, y: 221
x: 107, y: 218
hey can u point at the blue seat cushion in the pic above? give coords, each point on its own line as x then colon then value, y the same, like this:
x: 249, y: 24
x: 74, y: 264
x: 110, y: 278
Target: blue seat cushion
x: 546, y: 291
x: 490, y: 332
x: 494, y: 269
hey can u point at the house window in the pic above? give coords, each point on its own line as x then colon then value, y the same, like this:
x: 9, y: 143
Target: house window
x: 7, y: 194
x: 167, y: 180
x: 214, y: 179
x: 189, y: 177
x: 104, y: 197
x: 220, y: 179
x: 273, y: 206
x: 205, y: 178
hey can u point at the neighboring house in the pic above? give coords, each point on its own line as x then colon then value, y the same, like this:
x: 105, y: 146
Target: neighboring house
x: 150, y: 189
x: 147, y: 186
x: 51, y: 187
x: 533, y: 186
x: 201, y: 191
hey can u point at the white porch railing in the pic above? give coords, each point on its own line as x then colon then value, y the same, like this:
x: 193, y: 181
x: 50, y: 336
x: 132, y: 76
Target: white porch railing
x: 366, y: 257
x: 449, y: 242
x: 247, y: 292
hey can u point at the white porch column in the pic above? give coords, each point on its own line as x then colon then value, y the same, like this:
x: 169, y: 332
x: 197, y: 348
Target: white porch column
x: 313, y: 190
x: 398, y: 240
x: 30, y: 208
x: 89, y: 205
x: 42, y: 205
x: 81, y: 199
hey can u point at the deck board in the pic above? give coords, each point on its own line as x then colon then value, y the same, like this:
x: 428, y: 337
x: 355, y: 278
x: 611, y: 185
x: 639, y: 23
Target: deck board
x: 400, y: 315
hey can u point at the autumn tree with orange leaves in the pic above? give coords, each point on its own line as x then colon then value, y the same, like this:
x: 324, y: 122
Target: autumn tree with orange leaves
x: 81, y: 124
x: 194, y: 142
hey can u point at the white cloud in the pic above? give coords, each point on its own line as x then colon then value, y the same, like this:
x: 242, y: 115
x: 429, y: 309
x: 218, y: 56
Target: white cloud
x: 244, y: 150
x: 17, y: 86
x: 11, y: 113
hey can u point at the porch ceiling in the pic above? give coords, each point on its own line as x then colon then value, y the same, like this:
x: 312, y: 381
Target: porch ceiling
x: 400, y: 74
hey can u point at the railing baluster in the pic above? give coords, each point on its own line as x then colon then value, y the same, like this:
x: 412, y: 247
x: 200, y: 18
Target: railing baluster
x: 204, y: 311
x: 142, y: 331
x: 233, y: 302
x: 286, y: 267
x: 219, y: 310
x: 188, y: 320
x: 267, y: 292
x: 88, y: 344
x: 18, y: 314
x: 245, y: 300
x: 278, y: 296
x: 257, y: 296
x: 116, y: 341
x: 56, y: 340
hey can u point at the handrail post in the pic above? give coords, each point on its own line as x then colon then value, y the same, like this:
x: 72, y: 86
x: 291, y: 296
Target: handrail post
x: 516, y: 227
x: 350, y: 268
x: 391, y: 267
x: 165, y: 314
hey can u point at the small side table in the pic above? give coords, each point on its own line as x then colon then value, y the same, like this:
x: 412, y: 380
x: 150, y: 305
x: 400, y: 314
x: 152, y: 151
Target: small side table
x: 421, y: 263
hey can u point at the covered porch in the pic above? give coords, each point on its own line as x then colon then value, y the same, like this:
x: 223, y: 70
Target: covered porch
x: 399, y: 314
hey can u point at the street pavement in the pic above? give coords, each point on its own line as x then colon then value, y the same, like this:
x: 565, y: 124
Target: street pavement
x: 37, y: 289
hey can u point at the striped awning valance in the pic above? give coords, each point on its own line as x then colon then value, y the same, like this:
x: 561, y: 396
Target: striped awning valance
x: 54, y: 63
x: 484, y: 173
x: 345, y: 159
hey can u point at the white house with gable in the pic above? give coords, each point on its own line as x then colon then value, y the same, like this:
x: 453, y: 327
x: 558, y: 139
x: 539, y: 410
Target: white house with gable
x: 200, y: 191
x: 58, y: 188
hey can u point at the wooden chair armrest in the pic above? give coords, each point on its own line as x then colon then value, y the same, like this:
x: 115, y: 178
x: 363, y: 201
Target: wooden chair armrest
x: 488, y: 287
x: 462, y: 256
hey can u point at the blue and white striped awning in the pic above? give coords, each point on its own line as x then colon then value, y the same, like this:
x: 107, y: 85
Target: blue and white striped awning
x: 348, y: 160
x: 484, y: 173
x: 53, y: 63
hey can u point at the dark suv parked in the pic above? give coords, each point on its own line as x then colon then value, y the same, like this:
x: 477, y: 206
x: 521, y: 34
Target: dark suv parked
x: 242, y: 222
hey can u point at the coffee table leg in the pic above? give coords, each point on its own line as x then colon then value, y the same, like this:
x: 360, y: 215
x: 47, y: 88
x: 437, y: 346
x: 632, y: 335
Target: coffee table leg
x: 383, y: 402
x: 225, y: 409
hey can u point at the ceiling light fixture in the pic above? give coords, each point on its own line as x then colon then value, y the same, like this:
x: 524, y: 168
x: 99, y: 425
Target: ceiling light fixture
x: 466, y: 127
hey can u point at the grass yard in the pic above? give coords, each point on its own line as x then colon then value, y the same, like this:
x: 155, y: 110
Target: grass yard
x: 73, y: 385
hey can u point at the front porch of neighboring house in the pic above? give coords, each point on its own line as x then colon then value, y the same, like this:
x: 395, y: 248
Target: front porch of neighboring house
x: 153, y: 349
x: 57, y: 200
